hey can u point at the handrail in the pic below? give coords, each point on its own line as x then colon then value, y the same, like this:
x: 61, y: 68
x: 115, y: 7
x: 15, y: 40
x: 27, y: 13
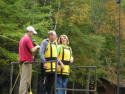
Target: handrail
x: 34, y: 62
x: 84, y: 67
x: 68, y: 89
x: 38, y: 62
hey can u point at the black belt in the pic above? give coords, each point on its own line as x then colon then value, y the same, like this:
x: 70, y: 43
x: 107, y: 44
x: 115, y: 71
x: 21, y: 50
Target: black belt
x: 51, y: 58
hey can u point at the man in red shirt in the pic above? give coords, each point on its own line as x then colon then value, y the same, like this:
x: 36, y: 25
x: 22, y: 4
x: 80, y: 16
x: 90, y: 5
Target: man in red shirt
x: 26, y: 49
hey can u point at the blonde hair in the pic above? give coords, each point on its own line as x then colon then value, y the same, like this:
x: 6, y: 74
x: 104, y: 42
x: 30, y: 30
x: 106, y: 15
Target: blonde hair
x: 60, y: 40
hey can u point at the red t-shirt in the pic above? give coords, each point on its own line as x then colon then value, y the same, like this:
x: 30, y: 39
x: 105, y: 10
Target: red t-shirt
x: 25, y: 45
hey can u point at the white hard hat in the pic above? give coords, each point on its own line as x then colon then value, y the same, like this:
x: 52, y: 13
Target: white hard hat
x: 52, y: 32
x: 31, y: 29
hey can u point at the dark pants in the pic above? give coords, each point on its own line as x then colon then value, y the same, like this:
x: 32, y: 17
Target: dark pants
x: 41, y: 83
x: 61, y: 83
x: 49, y: 83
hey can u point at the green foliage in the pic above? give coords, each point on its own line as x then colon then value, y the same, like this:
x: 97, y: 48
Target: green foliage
x: 91, y: 26
x: 16, y: 15
x: 6, y: 56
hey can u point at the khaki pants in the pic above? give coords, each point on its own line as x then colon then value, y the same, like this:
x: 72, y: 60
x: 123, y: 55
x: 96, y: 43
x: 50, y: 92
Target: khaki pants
x: 25, y: 78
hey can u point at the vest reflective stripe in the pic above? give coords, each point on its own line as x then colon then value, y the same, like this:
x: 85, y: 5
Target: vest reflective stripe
x: 51, y: 54
x: 65, y: 56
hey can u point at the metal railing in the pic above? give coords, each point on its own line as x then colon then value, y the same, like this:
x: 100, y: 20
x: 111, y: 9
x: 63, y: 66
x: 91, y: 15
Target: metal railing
x: 87, y: 89
x: 90, y: 75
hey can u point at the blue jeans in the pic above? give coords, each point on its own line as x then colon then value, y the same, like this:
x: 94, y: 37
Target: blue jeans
x: 61, y: 83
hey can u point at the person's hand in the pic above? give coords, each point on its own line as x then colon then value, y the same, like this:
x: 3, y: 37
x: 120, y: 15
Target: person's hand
x: 37, y: 46
x: 72, y: 59
x: 33, y: 57
x: 58, y: 67
x: 45, y: 66
x: 61, y: 64
x: 34, y: 49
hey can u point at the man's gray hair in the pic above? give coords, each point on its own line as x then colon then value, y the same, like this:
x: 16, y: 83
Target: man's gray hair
x: 52, y: 32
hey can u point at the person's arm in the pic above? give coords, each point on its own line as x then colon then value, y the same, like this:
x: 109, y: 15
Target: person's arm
x: 34, y: 48
x: 30, y: 45
x: 42, y: 50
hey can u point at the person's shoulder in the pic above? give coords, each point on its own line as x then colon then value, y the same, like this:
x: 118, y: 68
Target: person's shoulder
x: 45, y: 41
x: 68, y: 47
x: 58, y: 46
x: 25, y: 38
x: 28, y: 39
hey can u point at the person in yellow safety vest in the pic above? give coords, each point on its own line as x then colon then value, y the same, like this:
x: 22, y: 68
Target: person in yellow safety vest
x: 49, y: 54
x: 65, y: 57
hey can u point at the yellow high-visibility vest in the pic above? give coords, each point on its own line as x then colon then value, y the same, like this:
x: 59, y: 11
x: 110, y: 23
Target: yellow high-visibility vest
x: 51, y: 54
x: 65, y: 56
